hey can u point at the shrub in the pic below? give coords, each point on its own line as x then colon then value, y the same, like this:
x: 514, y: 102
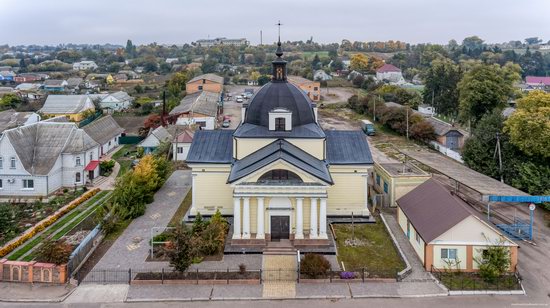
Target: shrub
x: 314, y: 265
x: 347, y: 275
x: 494, y: 262
x: 180, y: 250
x: 57, y: 252
x: 106, y: 166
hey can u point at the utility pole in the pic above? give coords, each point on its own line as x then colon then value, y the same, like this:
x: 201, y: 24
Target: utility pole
x: 433, y: 94
x: 261, y: 38
x: 407, y: 107
x: 497, y: 150
x: 162, y: 118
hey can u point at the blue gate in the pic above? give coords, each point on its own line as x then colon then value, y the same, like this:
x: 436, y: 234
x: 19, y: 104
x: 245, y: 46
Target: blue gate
x: 519, y: 229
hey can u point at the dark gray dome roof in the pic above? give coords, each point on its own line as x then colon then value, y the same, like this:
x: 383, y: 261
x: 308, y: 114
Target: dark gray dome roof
x: 279, y: 95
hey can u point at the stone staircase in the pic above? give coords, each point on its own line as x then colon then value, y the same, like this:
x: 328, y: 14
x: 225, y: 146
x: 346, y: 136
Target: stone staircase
x: 284, y: 247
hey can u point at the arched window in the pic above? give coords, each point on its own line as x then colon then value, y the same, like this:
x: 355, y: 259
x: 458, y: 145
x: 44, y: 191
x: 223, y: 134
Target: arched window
x: 77, y: 177
x: 280, y: 175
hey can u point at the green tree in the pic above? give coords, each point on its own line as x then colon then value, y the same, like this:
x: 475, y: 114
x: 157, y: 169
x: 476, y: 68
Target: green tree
x: 176, y: 84
x: 529, y: 125
x: 9, y: 101
x: 441, y: 80
x: 180, y: 250
x: 494, y: 262
x: 130, y: 49
x: 484, y: 88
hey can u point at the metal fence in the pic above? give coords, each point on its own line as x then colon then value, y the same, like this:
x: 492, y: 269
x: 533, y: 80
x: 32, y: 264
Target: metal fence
x: 129, y: 139
x: 462, y: 281
x: 234, y: 276
x: 79, y: 255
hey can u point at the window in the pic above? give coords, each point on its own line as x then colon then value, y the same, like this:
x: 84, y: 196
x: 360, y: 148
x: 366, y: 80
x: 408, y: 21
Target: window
x: 485, y: 254
x: 200, y: 88
x: 449, y: 254
x: 78, y: 162
x: 28, y: 184
x: 109, y: 143
x: 1, y: 163
x: 91, y: 156
x: 1, y: 184
x: 180, y: 150
x: 385, y: 187
x: 279, y: 124
x: 12, y: 163
x: 315, y: 88
x: 279, y: 175
x: 77, y: 177
x: 378, y: 179
x: 417, y: 237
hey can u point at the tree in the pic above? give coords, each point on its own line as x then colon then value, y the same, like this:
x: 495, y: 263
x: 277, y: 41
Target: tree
x: 473, y: 46
x: 254, y: 75
x: 533, y: 40
x: 9, y: 101
x: 130, y: 49
x: 56, y: 252
x: 529, y: 125
x: 494, y: 261
x: 180, y: 250
x: 441, y: 81
x: 262, y: 80
x: 484, y: 88
x: 176, y: 84
x: 316, y: 62
x: 359, y: 62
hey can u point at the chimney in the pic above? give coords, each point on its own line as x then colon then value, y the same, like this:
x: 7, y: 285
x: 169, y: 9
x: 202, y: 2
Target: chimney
x: 314, y: 105
x: 243, y: 111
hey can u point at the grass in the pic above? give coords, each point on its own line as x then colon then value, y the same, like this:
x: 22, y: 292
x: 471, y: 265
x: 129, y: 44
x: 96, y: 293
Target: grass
x: 378, y: 252
x: 56, y: 226
x: 472, y: 281
x: 182, y: 209
x: 125, y: 162
x: 311, y: 54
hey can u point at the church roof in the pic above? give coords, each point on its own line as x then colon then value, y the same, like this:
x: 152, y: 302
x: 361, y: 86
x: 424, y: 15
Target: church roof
x: 347, y: 148
x: 280, y: 150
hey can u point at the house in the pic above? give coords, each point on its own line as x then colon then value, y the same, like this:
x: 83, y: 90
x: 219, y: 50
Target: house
x: 200, y: 108
x: 38, y: 159
x: 130, y: 74
x: 154, y: 139
x: 321, y: 75
x: 537, y: 83
x: 172, y: 60
x: 7, y: 76
x: 105, y: 131
x: 447, y: 134
x: 11, y: 119
x: 120, y: 77
x: 72, y: 106
x: 444, y: 232
x: 221, y: 41
x: 74, y: 82
x: 6, y: 90
x: 311, y: 88
x: 426, y: 110
x: 55, y: 85
x: 393, y: 180
x: 206, y: 82
x: 181, y: 145
x: 116, y: 101
x: 279, y: 175
x: 390, y: 73
x: 84, y: 66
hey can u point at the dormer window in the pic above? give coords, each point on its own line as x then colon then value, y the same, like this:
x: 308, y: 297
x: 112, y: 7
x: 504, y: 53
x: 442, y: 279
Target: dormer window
x: 280, y: 119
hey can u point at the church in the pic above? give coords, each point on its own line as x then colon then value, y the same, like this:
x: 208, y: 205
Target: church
x: 279, y: 175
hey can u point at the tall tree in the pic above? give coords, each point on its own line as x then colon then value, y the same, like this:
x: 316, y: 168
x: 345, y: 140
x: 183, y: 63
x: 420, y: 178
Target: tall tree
x: 484, y: 88
x: 130, y: 49
x: 441, y: 82
x: 529, y: 125
x: 359, y: 62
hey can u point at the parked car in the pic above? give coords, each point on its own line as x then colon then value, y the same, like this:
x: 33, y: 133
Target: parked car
x: 239, y: 99
x: 226, y: 123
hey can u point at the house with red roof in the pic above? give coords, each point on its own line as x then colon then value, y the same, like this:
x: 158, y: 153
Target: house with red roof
x: 390, y: 73
x: 537, y: 82
x: 181, y: 145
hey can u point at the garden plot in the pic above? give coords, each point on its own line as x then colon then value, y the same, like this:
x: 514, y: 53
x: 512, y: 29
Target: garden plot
x: 64, y: 226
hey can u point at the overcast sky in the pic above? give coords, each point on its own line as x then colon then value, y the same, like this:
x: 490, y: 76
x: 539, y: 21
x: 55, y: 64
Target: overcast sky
x: 183, y: 21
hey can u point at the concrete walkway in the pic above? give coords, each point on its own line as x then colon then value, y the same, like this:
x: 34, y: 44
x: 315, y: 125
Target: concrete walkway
x: 132, y: 248
x: 279, y: 276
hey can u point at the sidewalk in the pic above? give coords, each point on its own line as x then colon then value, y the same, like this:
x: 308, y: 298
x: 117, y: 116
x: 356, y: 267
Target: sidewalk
x: 27, y: 292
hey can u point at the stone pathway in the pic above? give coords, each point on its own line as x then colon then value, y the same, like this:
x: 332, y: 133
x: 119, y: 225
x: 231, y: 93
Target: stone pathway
x: 132, y: 248
x: 279, y: 276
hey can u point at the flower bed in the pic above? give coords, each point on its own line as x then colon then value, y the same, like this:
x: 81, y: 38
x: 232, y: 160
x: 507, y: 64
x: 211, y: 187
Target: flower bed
x: 213, y: 277
x: 43, y: 224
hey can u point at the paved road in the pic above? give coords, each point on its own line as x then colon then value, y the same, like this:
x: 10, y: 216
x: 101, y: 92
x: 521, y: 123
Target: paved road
x: 131, y: 248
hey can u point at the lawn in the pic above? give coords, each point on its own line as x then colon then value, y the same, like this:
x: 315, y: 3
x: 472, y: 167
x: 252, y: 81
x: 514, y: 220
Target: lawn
x: 472, y: 281
x: 124, y: 157
x: 182, y: 209
x: 376, y: 251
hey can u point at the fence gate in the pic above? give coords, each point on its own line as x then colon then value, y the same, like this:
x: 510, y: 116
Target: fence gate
x: 106, y: 276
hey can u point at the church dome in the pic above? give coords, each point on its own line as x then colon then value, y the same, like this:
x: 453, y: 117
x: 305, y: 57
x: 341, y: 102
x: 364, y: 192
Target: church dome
x: 277, y: 95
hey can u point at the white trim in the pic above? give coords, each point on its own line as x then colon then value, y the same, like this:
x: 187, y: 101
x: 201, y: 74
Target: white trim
x: 464, y: 243
x: 273, y: 211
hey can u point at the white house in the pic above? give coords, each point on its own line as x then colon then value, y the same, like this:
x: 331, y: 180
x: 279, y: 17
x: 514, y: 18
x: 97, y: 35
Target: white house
x: 116, y: 101
x: 153, y: 140
x: 321, y: 75
x: 181, y: 145
x: 105, y: 131
x: 11, y: 119
x: 38, y: 159
x: 199, y: 108
x: 390, y: 73
x: 426, y: 110
x: 84, y: 65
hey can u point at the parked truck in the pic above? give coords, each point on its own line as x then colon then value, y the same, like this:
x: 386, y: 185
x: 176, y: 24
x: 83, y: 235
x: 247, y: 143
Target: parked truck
x: 368, y: 127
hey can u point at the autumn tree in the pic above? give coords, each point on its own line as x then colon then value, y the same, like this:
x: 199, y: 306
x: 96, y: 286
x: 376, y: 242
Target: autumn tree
x: 359, y: 62
x: 441, y: 85
x: 529, y: 125
x: 484, y: 88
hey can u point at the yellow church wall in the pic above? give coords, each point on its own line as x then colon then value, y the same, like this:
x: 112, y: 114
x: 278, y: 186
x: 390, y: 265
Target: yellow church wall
x: 212, y: 193
x: 243, y: 147
x: 347, y: 194
x: 314, y: 147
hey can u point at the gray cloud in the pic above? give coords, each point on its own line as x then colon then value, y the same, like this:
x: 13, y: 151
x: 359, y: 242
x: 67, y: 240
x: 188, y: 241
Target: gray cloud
x: 178, y: 22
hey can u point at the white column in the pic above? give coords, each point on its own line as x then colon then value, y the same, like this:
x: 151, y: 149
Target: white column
x: 299, y: 219
x: 313, y: 219
x: 323, y: 218
x: 246, y: 218
x: 260, y: 223
x: 236, y: 218
x: 193, y: 198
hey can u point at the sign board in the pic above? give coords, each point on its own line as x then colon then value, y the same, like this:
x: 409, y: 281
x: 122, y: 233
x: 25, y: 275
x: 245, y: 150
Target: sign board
x: 532, y: 207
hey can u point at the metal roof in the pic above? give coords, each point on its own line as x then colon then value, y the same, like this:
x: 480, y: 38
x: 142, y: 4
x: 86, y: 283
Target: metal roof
x: 103, y: 129
x: 203, y: 102
x: 66, y: 104
x: 211, y: 146
x: 347, y: 148
x: 210, y: 77
x: 432, y: 210
x: 280, y: 150
x: 280, y: 95
x: 11, y: 118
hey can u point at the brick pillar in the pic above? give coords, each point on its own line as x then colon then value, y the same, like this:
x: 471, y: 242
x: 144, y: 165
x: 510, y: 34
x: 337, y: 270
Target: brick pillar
x: 469, y: 258
x: 2, y: 261
x: 62, y: 273
x: 30, y: 271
